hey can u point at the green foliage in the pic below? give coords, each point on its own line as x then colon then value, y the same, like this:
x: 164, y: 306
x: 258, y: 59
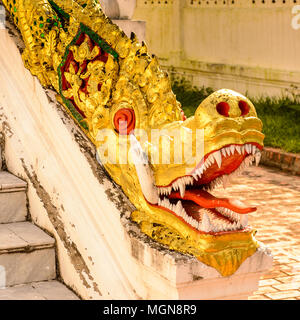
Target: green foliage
x: 281, y: 119
x: 188, y: 95
x: 280, y: 115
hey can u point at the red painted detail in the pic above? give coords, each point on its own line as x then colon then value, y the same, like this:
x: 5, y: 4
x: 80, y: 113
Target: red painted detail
x: 81, y: 68
x: 75, y: 66
x: 208, y: 201
x: 64, y: 68
x: 90, y: 42
x: 196, y: 198
x: 102, y: 56
x: 84, y: 85
x: 124, y: 121
x: 76, y: 107
x: 68, y: 61
x: 183, y: 115
x: 80, y: 39
x: 244, y: 106
x: 65, y: 83
x: 229, y: 164
x: 223, y: 109
x: 247, y: 229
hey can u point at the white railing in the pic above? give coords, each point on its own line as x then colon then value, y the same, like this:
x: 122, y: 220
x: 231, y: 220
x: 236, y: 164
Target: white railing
x: 119, y: 9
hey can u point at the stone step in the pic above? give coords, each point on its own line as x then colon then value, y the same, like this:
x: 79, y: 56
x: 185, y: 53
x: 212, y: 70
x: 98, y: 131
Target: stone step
x: 12, y: 198
x: 47, y: 290
x: 27, y: 254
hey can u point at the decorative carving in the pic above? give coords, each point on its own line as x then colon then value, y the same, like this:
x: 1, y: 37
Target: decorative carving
x: 103, y: 78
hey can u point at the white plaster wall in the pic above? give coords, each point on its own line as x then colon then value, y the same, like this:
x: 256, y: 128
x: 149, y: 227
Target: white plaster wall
x: 255, y: 36
x: 242, y: 45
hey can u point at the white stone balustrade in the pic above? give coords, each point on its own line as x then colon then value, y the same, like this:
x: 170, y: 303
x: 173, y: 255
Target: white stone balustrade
x: 119, y: 9
x: 121, y: 12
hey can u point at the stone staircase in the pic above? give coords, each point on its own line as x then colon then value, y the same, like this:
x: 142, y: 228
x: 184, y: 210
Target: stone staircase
x: 27, y: 254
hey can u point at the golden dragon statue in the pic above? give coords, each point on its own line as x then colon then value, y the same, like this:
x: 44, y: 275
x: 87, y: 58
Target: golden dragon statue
x: 117, y: 92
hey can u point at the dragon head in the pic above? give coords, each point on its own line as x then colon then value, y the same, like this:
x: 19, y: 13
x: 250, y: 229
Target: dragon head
x: 166, y: 164
x: 168, y: 175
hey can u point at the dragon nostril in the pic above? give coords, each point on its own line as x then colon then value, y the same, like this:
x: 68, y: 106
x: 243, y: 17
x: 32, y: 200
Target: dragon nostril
x: 244, y: 106
x: 223, y: 108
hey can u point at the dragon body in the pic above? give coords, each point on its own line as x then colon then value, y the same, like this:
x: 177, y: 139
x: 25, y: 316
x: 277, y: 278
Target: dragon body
x: 116, y: 91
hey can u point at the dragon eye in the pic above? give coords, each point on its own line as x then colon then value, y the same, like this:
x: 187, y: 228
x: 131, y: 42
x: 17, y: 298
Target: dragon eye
x: 124, y: 121
x: 223, y: 108
x: 244, y: 106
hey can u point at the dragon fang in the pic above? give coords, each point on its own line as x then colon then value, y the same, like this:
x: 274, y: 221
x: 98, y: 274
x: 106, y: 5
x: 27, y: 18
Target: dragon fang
x: 104, y: 79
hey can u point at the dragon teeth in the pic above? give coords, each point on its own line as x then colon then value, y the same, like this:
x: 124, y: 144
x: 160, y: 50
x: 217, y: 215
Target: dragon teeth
x: 248, y: 148
x: 223, y: 152
x: 248, y: 160
x: 195, y: 176
x: 232, y: 149
x: 181, y: 184
x: 179, y: 211
x: 244, y: 220
x: 240, y: 220
x: 164, y: 190
x: 182, y: 189
x: 179, y: 206
x: 218, y: 157
x: 228, y: 151
x: 200, y: 171
x: 206, y: 224
x: 212, y: 159
x: 257, y: 158
x: 209, y: 222
x: 252, y: 150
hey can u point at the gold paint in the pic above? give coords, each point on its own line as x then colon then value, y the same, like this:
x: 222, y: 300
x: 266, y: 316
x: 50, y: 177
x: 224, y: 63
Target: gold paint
x: 136, y: 81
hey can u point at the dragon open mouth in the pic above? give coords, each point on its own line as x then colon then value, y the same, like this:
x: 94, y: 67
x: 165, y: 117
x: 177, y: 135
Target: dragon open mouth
x: 189, y: 197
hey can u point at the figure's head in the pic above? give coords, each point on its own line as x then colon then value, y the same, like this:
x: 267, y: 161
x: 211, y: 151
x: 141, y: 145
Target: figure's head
x: 166, y: 164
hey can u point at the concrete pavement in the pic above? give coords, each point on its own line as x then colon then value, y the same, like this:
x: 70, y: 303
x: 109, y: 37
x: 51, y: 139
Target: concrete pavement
x: 277, y: 220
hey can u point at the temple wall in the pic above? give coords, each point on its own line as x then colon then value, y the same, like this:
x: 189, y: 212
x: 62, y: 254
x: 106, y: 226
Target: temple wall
x: 246, y: 45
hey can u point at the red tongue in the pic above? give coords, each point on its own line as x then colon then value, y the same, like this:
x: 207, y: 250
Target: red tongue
x: 206, y: 200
